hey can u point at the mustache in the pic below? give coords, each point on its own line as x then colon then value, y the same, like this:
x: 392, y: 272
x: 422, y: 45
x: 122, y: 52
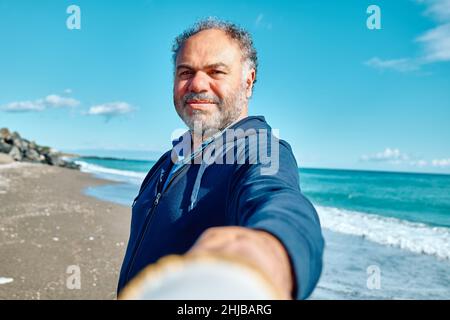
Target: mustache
x: 201, y: 96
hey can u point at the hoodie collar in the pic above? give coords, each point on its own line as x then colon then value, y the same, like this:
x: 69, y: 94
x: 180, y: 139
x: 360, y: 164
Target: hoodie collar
x: 184, y: 142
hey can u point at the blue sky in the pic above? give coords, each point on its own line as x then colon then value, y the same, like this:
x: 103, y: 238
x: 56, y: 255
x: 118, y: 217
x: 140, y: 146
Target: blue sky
x: 342, y: 95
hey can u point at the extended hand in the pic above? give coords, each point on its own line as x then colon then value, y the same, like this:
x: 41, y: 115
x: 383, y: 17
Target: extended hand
x: 255, y: 246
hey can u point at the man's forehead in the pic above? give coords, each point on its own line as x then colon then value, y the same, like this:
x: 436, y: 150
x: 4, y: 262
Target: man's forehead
x: 209, y: 47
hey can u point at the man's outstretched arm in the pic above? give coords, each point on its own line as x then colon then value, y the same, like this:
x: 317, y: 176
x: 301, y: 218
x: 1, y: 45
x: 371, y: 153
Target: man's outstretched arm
x: 256, y: 246
x: 274, y: 203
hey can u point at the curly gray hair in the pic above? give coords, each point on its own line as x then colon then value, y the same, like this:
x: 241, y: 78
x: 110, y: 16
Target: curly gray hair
x: 243, y: 38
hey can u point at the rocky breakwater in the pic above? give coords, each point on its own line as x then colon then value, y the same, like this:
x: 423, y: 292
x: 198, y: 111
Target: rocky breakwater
x: 16, y: 148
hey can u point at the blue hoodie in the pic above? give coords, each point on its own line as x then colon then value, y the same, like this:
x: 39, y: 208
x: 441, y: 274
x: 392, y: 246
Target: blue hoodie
x: 255, y: 189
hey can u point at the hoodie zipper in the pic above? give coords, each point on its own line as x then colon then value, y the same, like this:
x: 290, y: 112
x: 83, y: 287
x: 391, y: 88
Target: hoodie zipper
x: 148, y: 218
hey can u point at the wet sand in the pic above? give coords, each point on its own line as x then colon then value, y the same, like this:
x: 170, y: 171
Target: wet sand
x: 48, y: 225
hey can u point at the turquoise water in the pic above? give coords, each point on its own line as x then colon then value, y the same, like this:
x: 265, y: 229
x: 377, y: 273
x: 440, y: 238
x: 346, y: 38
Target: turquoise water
x: 399, y: 222
x: 120, y: 164
x: 407, y: 196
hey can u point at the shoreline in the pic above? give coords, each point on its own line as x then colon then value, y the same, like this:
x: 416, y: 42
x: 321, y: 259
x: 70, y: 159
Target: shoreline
x: 48, y: 225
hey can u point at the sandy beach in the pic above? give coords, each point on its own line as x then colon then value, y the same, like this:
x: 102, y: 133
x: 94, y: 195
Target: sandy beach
x: 47, y: 225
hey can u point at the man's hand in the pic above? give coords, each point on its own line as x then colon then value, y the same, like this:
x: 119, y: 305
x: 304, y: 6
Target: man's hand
x: 258, y: 247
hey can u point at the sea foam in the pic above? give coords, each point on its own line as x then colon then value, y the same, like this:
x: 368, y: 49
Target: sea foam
x: 112, y: 174
x: 412, y: 236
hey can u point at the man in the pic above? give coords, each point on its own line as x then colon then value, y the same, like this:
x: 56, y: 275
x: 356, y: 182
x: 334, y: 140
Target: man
x: 238, y: 207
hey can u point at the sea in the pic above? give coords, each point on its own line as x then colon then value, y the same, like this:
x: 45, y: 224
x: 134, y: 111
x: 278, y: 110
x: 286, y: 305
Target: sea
x: 387, y: 234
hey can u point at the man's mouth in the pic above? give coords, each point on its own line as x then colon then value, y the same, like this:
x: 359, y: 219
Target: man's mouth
x: 199, y: 104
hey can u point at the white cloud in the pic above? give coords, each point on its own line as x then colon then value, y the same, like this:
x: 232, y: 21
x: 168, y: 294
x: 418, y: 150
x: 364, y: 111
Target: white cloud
x: 441, y: 162
x: 402, y: 65
x: 68, y: 91
x: 388, y: 155
x: 435, y: 42
x: 395, y: 156
x: 438, y: 9
x: 50, y: 101
x: 111, y: 109
x: 23, y: 106
x: 56, y: 101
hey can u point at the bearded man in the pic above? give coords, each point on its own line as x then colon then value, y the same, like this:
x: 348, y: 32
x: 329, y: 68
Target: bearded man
x: 245, y: 199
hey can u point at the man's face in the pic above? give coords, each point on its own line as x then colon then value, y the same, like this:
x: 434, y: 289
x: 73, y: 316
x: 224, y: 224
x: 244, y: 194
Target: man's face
x: 210, y: 89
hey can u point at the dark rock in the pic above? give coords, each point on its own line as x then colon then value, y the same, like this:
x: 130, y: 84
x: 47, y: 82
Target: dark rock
x: 17, y: 140
x: 5, y: 147
x: 25, y: 146
x: 19, y: 143
x: 43, y: 150
x: 16, y: 154
x: 70, y: 165
x: 55, y: 159
x: 32, y: 155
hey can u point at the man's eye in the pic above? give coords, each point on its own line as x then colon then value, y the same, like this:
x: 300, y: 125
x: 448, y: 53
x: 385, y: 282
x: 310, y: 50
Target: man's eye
x: 217, y: 72
x: 184, y: 73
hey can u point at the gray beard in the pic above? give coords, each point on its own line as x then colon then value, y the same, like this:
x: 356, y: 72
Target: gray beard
x: 227, y: 111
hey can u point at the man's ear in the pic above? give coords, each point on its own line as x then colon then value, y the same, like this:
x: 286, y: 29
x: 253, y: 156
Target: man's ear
x: 250, y: 79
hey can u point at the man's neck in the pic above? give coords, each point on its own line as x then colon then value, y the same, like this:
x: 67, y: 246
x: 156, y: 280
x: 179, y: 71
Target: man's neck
x: 197, y: 139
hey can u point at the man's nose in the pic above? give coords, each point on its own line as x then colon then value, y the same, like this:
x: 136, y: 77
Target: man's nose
x: 199, y: 83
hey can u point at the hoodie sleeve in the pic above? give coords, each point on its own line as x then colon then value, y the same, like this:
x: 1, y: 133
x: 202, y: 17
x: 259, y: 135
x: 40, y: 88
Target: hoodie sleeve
x: 274, y: 203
